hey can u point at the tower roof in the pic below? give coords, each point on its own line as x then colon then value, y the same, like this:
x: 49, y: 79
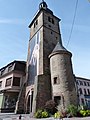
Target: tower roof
x: 43, y: 7
x: 59, y: 47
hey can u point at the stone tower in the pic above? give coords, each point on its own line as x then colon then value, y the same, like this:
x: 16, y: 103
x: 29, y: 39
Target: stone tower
x: 44, y: 35
x: 62, y: 78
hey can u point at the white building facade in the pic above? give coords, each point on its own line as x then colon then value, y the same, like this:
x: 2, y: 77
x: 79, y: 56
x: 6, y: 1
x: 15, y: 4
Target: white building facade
x: 83, y: 89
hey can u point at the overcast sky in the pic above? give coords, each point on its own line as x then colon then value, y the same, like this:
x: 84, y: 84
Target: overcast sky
x: 16, y: 15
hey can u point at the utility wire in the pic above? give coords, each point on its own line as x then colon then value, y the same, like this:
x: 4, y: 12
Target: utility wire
x: 72, y: 23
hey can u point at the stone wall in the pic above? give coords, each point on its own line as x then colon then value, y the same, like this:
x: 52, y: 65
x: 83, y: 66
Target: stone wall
x: 42, y: 91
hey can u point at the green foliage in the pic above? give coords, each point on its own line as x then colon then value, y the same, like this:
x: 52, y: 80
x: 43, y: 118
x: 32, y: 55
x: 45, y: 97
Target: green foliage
x: 41, y: 114
x: 72, y: 110
x: 85, y: 113
x: 57, y: 115
x: 38, y: 114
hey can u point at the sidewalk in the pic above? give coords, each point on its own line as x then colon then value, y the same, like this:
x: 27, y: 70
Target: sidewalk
x: 27, y: 117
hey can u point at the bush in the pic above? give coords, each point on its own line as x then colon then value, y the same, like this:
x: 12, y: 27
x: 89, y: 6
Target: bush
x: 57, y: 115
x: 50, y: 106
x: 41, y: 114
x: 85, y: 113
x: 72, y: 110
x: 38, y: 114
x: 45, y: 114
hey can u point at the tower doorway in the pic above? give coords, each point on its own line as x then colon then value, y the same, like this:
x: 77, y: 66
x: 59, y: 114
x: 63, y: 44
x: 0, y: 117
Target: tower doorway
x: 30, y: 102
x: 57, y: 100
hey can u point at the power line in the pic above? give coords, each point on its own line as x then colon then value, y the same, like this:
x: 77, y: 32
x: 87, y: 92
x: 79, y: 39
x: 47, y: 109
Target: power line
x: 72, y: 23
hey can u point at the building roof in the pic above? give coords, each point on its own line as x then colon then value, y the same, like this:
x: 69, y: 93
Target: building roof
x: 81, y: 78
x: 13, y: 66
x: 15, y: 61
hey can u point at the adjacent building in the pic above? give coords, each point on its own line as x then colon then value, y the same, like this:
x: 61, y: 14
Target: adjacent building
x: 83, y: 88
x: 12, y: 78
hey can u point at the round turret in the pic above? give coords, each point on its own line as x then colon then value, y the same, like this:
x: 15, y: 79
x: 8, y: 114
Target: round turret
x: 62, y: 78
x: 43, y: 5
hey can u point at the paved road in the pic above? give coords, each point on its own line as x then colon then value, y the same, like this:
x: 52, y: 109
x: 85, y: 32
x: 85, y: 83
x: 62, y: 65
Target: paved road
x: 27, y: 117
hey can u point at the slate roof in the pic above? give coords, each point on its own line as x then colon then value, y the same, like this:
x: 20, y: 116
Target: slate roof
x: 59, y: 47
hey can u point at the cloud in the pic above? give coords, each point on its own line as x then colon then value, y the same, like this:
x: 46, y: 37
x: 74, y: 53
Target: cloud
x: 12, y: 21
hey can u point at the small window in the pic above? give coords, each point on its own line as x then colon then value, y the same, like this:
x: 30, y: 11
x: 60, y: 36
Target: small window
x: 49, y: 19
x: 0, y: 83
x: 52, y: 21
x: 82, y: 101
x: 8, y: 82
x: 85, y: 93
x: 36, y: 22
x: 85, y: 83
x: 34, y: 25
x: 16, y: 81
x: 55, y: 80
x: 80, y: 91
x: 51, y: 32
x: 56, y: 38
x: 77, y: 82
x: 88, y: 91
x: 81, y: 83
x: 88, y: 83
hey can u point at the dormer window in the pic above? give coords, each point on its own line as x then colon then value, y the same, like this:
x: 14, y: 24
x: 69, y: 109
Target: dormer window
x: 2, y: 71
x: 9, y: 68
